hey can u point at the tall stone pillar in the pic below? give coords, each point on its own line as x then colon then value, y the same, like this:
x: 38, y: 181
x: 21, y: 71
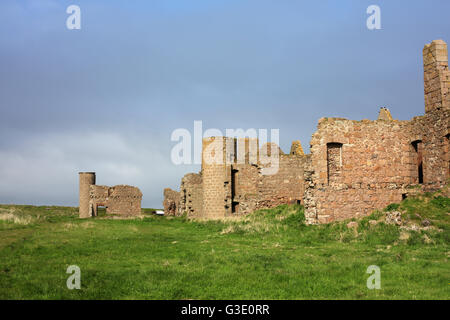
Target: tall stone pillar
x: 86, y: 179
x: 436, y: 76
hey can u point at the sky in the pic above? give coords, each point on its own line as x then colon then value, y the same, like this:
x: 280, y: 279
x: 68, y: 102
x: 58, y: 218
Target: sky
x: 107, y: 97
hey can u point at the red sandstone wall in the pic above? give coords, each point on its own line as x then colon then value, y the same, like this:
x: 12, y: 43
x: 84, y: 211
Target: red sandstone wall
x: 191, y: 195
x: 124, y: 200
x: 287, y: 186
x: 171, y: 202
x: 354, y: 166
x: 433, y: 129
x: 375, y: 166
x: 120, y: 200
x: 378, y: 164
x: 436, y: 76
x: 253, y: 190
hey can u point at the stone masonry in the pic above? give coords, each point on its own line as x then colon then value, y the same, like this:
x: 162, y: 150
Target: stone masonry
x: 118, y: 200
x: 231, y: 180
x: 353, y: 168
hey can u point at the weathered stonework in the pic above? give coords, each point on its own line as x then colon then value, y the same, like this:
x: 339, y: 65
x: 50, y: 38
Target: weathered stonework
x: 436, y: 76
x: 86, y: 179
x: 171, y: 200
x: 296, y: 148
x: 381, y: 161
x: 191, y: 193
x: 385, y: 114
x: 231, y: 181
x: 353, y: 167
x: 357, y: 166
x: 118, y: 200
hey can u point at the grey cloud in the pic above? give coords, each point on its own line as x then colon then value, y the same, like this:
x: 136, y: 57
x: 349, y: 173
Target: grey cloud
x: 44, y: 169
x: 107, y: 97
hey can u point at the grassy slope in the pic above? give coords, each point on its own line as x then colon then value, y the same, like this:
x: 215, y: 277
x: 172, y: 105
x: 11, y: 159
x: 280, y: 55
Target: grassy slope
x: 269, y: 255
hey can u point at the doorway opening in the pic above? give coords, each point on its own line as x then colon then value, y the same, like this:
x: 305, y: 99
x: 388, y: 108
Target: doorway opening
x: 418, y: 148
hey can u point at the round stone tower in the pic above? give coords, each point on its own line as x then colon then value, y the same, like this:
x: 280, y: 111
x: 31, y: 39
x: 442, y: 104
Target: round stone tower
x: 218, y: 155
x: 86, y: 179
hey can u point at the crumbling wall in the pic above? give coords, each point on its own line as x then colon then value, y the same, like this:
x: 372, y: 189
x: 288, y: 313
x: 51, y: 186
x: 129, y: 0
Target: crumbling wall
x: 245, y: 188
x: 171, y: 202
x: 119, y: 200
x: 433, y: 128
x: 357, y: 166
x: 296, y: 148
x: 253, y: 190
x: 124, y: 200
x: 284, y: 187
x: 436, y: 76
x: 98, y: 196
x: 232, y: 180
x: 354, y: 166
x: 191, y: 195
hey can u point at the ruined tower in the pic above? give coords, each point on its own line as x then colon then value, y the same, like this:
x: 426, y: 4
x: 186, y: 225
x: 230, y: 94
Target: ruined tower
x: 436, y: 76
x: 218, y: 155
x: 118, y: 200
x: 431, y: 133
x: 354, y: 166
x: 86, y: 180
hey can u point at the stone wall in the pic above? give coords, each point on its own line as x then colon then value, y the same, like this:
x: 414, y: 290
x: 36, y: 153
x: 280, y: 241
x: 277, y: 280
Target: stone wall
x: 191, y: 195
x: 189, y: 200
x: 359, y: 166
x: 98, y: 196
x: 431, y: 131
x: 433, y: 128
x: 436, y: 76
x: 354, y: 166
x: 171, y: 202
x: 286, y: 186
x: 118, y: 200
x: 124, y: 200
x: 238, y: 185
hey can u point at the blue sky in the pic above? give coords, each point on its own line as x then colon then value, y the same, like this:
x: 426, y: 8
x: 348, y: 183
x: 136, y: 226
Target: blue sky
x: 106, y: 98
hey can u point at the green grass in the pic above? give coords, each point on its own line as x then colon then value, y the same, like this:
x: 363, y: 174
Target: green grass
x: 270, y: 254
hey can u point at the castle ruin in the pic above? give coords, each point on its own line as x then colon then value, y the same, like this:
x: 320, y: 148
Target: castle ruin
x: 118, y: 200
x: 353, y: 168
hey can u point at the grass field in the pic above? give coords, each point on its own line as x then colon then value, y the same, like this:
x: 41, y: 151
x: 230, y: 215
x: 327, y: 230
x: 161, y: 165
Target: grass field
x: 270, y: 254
